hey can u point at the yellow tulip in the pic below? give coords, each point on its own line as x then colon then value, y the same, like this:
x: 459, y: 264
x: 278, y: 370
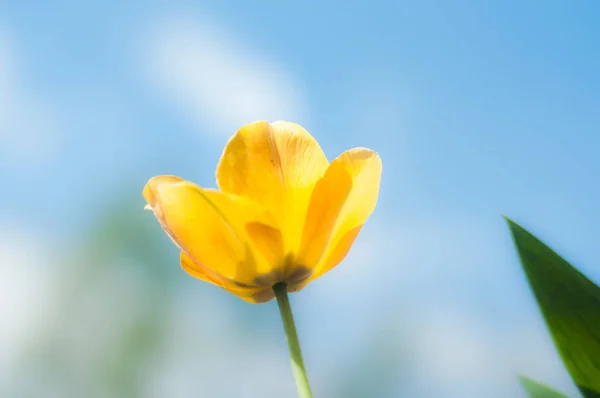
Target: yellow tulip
x: 282, y: 214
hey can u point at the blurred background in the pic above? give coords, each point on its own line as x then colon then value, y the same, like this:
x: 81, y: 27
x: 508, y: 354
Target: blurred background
x: 477, y: 109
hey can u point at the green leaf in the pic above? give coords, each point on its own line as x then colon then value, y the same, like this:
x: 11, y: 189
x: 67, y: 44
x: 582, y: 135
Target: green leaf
x: 570, y: 303
x: 538, y: 390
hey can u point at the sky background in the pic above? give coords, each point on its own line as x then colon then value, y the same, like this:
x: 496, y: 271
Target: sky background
x: 476, y: 109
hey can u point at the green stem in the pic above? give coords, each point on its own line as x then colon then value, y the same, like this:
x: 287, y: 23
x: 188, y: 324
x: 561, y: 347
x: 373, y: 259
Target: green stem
x: 287, y: 317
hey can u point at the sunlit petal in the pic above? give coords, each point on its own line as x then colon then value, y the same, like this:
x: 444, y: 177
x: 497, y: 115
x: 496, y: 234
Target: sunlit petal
x: 327, y: 201
x: 277, y: 165
x: 209, y: 226
x: 364, y: 167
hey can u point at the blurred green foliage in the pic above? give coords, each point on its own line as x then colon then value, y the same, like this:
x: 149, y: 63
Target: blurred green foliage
x: 538, y: 390
x: 114, y: 319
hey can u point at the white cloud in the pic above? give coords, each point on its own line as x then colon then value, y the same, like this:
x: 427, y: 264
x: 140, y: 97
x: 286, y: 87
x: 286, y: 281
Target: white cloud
x: 26, y: 286
x: 453, y: 352
x: 459, y: 355
x: 28, y: 124
x: 216, y: 78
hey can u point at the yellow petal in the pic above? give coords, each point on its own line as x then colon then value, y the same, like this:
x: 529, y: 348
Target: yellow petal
x: 364, y: 167
x: 197, y: 270
x: 326, y: 203
x: 209, y: 226
x: 254, y: 296
x: 251, y: 295
x: 338, y: 252
x: 277, y: 165
x: 268, y: 241
x: 151, y: 187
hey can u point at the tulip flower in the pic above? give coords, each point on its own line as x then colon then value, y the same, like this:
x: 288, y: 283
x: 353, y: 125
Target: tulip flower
x: 282, y: 217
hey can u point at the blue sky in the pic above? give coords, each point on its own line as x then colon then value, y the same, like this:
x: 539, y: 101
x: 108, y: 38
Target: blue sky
x: 477, y: 110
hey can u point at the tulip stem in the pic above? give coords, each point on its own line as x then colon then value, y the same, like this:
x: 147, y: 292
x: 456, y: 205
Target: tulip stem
x: 287, y: 317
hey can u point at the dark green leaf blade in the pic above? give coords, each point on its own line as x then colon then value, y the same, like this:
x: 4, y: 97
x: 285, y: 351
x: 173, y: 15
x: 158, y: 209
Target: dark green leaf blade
x: 570, y: 303
x: 538, y: 390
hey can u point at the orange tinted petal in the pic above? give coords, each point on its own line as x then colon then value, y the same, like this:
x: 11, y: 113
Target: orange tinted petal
x: 253, y: 295
x: 326, y: 203
x: 209, y: 227
x: 364, y: 166
x: 267, y: 240
x: 197, y: 270
x: 338, y: 252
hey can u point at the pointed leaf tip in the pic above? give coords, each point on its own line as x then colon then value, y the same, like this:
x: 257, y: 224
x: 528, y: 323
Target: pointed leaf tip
x: 511, y: 224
